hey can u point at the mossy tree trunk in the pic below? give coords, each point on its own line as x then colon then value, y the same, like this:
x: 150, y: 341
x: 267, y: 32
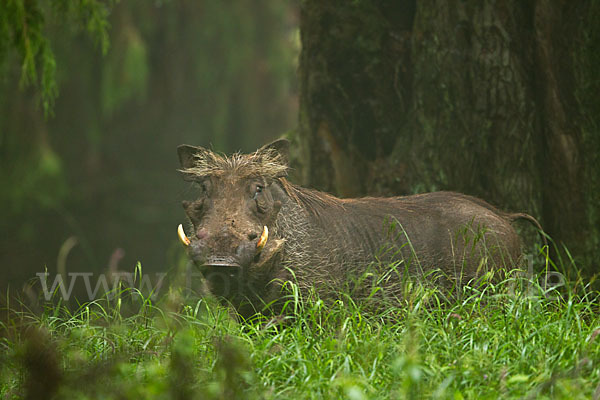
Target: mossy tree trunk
x: 482, y: 97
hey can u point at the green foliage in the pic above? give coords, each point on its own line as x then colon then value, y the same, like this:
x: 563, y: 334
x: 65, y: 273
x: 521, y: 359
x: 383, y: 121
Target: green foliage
x: 23, y: 26
x: 510, y: 340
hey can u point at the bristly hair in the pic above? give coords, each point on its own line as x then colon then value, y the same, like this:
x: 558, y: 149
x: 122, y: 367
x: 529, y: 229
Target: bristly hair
x: 266, y: 163
x: 311, y: 200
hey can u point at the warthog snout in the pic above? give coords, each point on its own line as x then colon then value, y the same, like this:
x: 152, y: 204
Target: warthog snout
x: 227, y: 248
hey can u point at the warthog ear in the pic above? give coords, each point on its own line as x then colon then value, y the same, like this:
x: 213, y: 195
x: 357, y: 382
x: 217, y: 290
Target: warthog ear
x: 186, y: 155
x: 281, y: 146
x: 187, y: 158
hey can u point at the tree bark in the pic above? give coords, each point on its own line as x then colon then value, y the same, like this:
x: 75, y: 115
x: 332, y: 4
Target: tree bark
x: 473, y: 96
x: 564, y: 208
x: 355, y: 90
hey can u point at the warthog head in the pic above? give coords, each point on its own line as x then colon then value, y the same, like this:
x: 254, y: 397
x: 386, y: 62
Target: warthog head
x: 236, y: 205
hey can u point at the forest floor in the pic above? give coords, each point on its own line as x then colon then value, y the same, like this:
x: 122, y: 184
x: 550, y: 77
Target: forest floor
x: 509, y: 340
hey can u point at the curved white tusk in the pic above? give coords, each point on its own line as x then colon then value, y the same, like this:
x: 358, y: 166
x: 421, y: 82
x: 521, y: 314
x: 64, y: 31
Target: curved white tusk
x: 263, y: 239
x: 182, y: 238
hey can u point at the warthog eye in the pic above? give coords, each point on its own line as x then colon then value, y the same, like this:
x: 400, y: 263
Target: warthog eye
x: 257, y: 190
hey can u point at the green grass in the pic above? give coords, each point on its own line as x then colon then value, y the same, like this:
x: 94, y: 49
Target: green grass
x: 509, y: 340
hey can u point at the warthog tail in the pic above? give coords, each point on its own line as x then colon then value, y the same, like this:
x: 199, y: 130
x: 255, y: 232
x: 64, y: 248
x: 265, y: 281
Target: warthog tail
x: 533, y: 221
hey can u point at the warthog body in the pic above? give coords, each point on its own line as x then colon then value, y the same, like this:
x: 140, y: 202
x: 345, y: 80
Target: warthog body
x: 321, y: 241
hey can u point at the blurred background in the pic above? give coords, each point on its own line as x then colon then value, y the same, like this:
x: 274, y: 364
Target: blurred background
x: 101, y: 169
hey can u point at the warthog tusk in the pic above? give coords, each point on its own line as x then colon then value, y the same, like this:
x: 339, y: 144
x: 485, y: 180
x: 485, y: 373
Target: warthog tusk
x: 263, y: 239
x: 184, y: 239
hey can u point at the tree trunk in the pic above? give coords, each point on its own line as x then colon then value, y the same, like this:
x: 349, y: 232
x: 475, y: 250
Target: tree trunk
x: 473, y: 96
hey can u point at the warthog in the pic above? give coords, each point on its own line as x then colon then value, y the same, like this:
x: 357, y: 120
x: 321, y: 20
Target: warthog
x: 251, y: 230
